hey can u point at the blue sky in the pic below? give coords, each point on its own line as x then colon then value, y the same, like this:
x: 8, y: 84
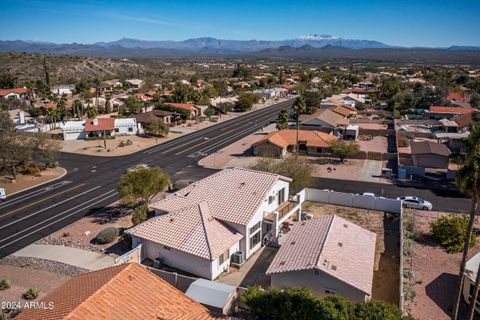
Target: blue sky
x: 406, y: 23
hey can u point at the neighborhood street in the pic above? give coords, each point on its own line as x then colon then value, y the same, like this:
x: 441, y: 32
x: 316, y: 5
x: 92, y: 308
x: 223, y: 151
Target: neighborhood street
x: 90, y: 183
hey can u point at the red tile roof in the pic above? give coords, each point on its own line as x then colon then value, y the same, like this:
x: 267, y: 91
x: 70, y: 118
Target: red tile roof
x: 4, y: 92
x: 186, y: 106
x: 455, y: 110
x: 102, y: 124
x: 284, y: 138
x: 123, y: 292
x: 457, y: 97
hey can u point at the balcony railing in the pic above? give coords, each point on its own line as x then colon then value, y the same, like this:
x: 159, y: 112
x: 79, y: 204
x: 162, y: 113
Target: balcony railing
x: 282, y: 210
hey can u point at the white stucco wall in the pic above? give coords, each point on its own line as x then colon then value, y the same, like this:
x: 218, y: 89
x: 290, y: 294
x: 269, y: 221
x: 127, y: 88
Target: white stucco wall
x: 216, y: 269
x: 318, y: 283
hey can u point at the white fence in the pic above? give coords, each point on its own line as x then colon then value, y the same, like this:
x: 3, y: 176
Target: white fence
x: 352, y: 200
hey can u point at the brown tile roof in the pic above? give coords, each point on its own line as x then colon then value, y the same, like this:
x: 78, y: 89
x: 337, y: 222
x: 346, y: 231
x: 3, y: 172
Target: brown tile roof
x: 326, y: 115
x: 192, y: 230
x: 150, y: 115
x: 233, y: 194
x: 464, y: 120
x: 186, y: 106
x: 107, y: 124
x: 424, y: 147
x: 284, y: 138
x: 455, y: 110
x: 123, y: 292
x: 342, y: 110
x: 330, y: 244
x: 456, y: 96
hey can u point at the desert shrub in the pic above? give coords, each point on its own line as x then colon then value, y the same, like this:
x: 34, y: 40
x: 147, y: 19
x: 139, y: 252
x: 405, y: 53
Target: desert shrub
x: 5, y: 284
x: 121, y: 144
x: 31, y: 294
x: 449, y: 232
x: 33, y: 170
x: 180, y: 184
x: 51, y: 164
x: 107, y: 235
x: 140, y: 214
x: 66, y: 234
x: 129, y: 142
x: 126, y: 242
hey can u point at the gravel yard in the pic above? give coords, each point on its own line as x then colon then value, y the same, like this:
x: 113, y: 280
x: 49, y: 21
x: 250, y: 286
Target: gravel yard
x: 386, y: 275
x: 435, y: 272
x: 26, y: 181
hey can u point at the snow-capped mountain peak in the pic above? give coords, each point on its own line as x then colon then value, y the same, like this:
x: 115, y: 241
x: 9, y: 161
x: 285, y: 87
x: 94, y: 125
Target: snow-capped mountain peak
x: 318, y: 37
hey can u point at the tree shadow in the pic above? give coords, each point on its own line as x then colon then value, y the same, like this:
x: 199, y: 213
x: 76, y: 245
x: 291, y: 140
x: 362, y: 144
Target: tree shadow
x: 256, y: 275
x: 110, y: 214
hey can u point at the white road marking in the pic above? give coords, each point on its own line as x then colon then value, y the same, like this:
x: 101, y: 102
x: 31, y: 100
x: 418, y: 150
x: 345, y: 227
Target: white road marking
x: 47, y: 208
x: 33, y: 194
x: 50, y: 218
x: 62, y: 218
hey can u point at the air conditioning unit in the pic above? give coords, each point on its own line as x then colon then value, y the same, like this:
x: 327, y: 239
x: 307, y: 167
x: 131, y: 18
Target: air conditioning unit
x: 158, y: 263
x: 238, y: 258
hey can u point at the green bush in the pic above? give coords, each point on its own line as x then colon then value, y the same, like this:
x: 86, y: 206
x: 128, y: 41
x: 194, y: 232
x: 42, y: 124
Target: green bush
x: 300, y: 304
x: 180, y: 184
x: 449, y: 232
x: 31, y: 294
x: 107, y: 235
x: 5, y: 284
x: 140, y: 214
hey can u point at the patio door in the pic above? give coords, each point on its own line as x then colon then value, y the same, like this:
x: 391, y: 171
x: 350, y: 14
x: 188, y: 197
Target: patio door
x: 281, y: 196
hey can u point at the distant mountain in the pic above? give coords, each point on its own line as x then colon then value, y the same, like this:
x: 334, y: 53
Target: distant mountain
x: 311, y: 47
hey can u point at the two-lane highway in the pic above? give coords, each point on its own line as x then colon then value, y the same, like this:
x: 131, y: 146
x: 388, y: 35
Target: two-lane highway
x: 90, y: 183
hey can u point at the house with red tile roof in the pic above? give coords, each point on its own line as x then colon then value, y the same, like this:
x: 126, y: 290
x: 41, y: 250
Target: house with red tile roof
x: 219, y: 220
x: 438, y: 112
x: 278, y: 143
x: 15, y: 93
x: 194, y: 111
x: 328, y: 255
x: 99, y: 127
x: 123, y: 292
x: 456, y: 97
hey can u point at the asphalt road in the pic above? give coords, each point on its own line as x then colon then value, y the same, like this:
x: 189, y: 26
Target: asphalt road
x: 90, y: 183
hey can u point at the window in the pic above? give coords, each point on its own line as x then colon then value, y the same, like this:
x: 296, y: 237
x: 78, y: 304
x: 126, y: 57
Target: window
x: 166, y: 248
x: 254, y: 240
x: 255, y: 227
x: 130, y: 129
x: 331, y: 292
x: 319, y: 150
x: 271, y: 199
x: 224, y: 257
x: 117, y: 130
x: 281, y: 196
x: 268, y: 226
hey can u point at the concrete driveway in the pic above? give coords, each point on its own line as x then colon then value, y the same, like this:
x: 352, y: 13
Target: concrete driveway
x: 371, y: 171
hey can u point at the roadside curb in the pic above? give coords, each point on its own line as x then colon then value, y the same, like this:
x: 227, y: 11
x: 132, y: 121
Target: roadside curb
x: 40, y: 184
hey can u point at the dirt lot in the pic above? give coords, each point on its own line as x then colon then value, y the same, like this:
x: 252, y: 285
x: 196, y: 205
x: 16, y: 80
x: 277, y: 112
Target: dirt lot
x: 377, y: 144
x: 386, y: 276
x: 26, y: 181
x: 96, y: 148
x: 23, y: 278
x: 435, y: 272
x: 81, y: 233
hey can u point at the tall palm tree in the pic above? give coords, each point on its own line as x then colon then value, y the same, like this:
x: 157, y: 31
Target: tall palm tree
x: 467, y: 180
x: 299, y: 106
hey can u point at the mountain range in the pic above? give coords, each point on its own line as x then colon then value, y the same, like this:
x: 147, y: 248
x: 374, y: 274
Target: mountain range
x: 310, y: 47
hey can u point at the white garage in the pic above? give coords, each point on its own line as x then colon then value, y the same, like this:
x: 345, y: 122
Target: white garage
x: 73, y: 130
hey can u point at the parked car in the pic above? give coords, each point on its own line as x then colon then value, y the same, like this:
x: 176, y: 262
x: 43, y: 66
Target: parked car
x: 138, y: 166
x: 370, y: 194
x: 3, y: 194
x: 415, y: 203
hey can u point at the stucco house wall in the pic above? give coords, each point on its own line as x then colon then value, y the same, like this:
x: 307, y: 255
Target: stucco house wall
x: 318, y: 282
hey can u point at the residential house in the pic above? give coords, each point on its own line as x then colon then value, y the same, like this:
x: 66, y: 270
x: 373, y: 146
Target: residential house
x: 143, y: 97
x: 328, y: 255
x: 438, y: 112
x: 471, y: 270
x: 74, y: 130
x: 194, y: 112
x: 15, y: 93
x: 126, y: 126
x: 134, y: 83
x: 464, y: 121
x: 63, y: 90
x: 324, y: 120
x: 427, y: 154
x: 123, y: 292
x: 278, y: 143
x: 109, y: 85
x: 199, y: 228
x: 166, y: 116
x: 99, y: 127
x: 458, y: 99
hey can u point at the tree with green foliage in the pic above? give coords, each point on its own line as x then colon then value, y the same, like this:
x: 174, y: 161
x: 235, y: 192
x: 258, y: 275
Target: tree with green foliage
x: 246, y: 101
x: 342, y: 149
x: 140, y: 214
x: 312, y: 99
x: 282, y: 119
x: 293, y: 166
x: 7, y: 81
x: 299, y: 106
x: 475, y: 100
x: 467, y: 180
x: 182, y: 93
x: 449, y: 231
x: 156, y: 127
x: 138, y: 185
x: 133, y: 105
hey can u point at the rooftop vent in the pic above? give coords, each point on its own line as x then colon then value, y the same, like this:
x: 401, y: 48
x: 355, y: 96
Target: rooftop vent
x: 292, y: 243
x: 282, y: 263
x: 172, y: 219
x: 345, y: 225
x: 334, y: 267
x: 340, y: 244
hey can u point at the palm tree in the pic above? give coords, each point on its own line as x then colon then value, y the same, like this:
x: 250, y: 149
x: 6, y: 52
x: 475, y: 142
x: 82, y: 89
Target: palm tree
x: 299, y: 107
x: 467, y: 180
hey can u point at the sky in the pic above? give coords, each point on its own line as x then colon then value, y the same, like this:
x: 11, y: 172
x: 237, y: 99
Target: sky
x: 431, y: 23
